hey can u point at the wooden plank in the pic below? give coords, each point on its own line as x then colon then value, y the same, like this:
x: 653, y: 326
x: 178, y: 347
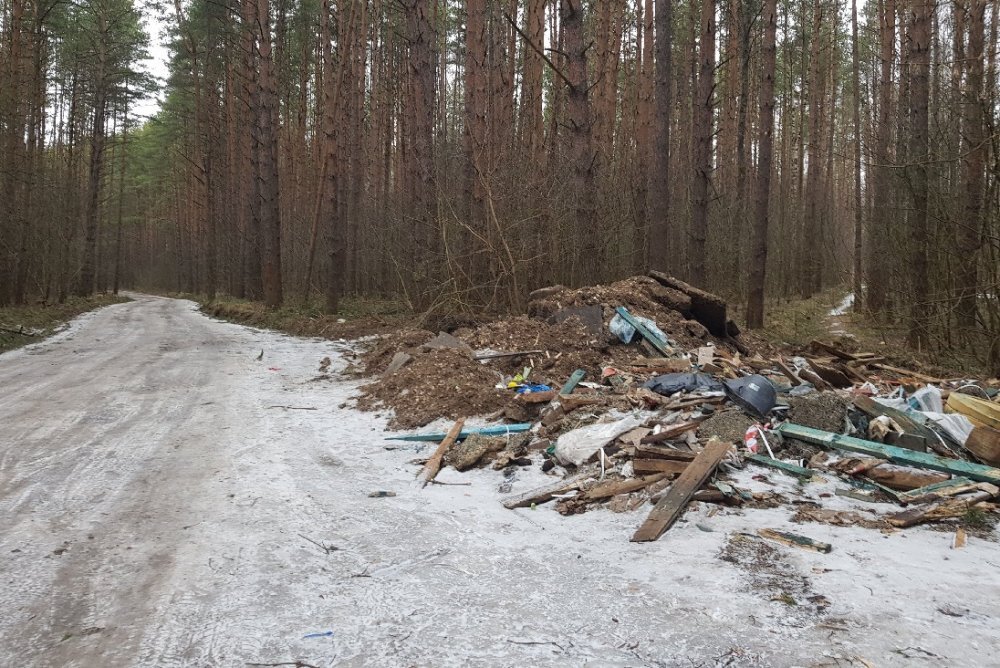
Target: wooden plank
x: 940, y: 510
x: 896, y: 455
x: 677, y: 497
x: 873, y: 408
x: 433, y: 464
x: 785, y: 467
x: 661, y: 452
x: 495, y: 356
x: 906, y: 372
x: 785, y: 369
x: 546, y: 492
x: 660, y: 346
x: 496, y: 430
x: 833, y: 350
x: 536, y: 397
x: 671, y: 431
x: 919, y: 494
x: 614, y: 487
x: 984, y: 443
x: 644, y: 466
x: 795, y: 540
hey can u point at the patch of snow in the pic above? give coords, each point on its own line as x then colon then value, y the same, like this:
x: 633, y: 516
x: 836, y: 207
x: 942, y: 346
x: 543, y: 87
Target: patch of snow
x: 844, y: 306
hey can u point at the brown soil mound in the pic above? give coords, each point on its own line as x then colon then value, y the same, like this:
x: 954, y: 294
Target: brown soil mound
x: 437, y: 384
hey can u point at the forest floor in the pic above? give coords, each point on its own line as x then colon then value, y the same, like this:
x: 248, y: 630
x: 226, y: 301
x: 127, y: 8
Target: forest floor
x: 169, y: 499
x: 23, y: 325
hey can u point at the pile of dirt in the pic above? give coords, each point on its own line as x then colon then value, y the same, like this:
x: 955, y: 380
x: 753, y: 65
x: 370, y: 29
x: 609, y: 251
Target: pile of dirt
x: 641, y: 295
x: 565, y: 330
x: 821, y: 410
x: 729, y: 425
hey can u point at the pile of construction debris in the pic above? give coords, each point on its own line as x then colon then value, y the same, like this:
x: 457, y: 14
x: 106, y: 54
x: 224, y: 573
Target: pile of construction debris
x: 644, y: 391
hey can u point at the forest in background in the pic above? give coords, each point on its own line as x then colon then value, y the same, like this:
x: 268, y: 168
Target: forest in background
x: 458, y: 154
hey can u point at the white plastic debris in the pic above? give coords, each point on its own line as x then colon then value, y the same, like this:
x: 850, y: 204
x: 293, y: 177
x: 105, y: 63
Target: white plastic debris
x: 579, y: 445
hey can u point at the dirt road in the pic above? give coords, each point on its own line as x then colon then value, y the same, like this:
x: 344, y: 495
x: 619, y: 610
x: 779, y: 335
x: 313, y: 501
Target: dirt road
x: 160, y: 507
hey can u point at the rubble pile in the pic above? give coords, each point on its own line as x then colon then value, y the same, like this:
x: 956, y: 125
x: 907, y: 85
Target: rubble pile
x: 642, y: 394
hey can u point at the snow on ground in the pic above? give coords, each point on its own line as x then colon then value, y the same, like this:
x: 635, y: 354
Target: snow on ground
x: 845, y: 305
x: 156, y: 508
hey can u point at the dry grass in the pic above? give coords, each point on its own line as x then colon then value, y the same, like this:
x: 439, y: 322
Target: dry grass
x: 44, y: 319
x: 356, y: 317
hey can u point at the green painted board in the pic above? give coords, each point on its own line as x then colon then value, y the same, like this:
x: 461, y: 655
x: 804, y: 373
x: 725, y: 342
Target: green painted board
x: 791, y: 469
x: 499, y: 430
x: 924, y: 460
x: 660, y: 345
x: 573, y: 381
x: 907, y: 497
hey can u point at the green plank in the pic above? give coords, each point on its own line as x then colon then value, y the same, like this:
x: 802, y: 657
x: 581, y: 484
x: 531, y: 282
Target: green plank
x: 573, y: 381
x: 660, y: 345
x: 790, y: 469
x: 499, y: 430
x: 891, y: 453
x: 913, y: 494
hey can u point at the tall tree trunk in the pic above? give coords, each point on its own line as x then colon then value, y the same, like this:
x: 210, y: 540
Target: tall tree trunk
x: 266, y: 113
x: 975, y: 148
x: 422, y: 192
x: 581, y: 146
x: 658, y: 247
x: 920, y: 37
x: 858, y: 219
x: 882, y: 216
x: 702, y: 172
x: 765, y: 141
x: 88, y: 272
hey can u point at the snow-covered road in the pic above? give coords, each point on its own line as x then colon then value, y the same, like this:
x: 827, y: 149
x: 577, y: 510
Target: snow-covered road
x: 159, y: 507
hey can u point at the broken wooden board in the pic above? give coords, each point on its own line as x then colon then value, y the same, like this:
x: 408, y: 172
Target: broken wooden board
x: 982, y: 413
x: 615, y: 487
x: 545, y: 493
x: 644, y: 466
x: 785, y: 467
x: 671, y: 431
x: 948, y: 487
x: 906, y: 373
x: 785, y: 369
x: 896, y: 455
x: 939, y: 510
x: 872, y: 408
x: 496, y: 430
x: 708, y: 309
x: 433, y: 464
x: 831, y: 374
x: 662, y: 452
x: 643, y: 331
x: 984, y: 443
x: 494, y: 356
x: 536, y: 397
x: 832, y: 350
x: 677, y: 497
x: 795, y: 540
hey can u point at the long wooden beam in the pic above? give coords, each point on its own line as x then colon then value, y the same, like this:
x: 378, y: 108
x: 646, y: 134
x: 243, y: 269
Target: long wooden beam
x: 924, y: 460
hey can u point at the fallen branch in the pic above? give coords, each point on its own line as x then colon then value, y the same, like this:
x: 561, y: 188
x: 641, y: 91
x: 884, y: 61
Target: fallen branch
x: 19, y: 331
x: 297, y: 664
x: 296, y: 408
x: 328, y: 549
